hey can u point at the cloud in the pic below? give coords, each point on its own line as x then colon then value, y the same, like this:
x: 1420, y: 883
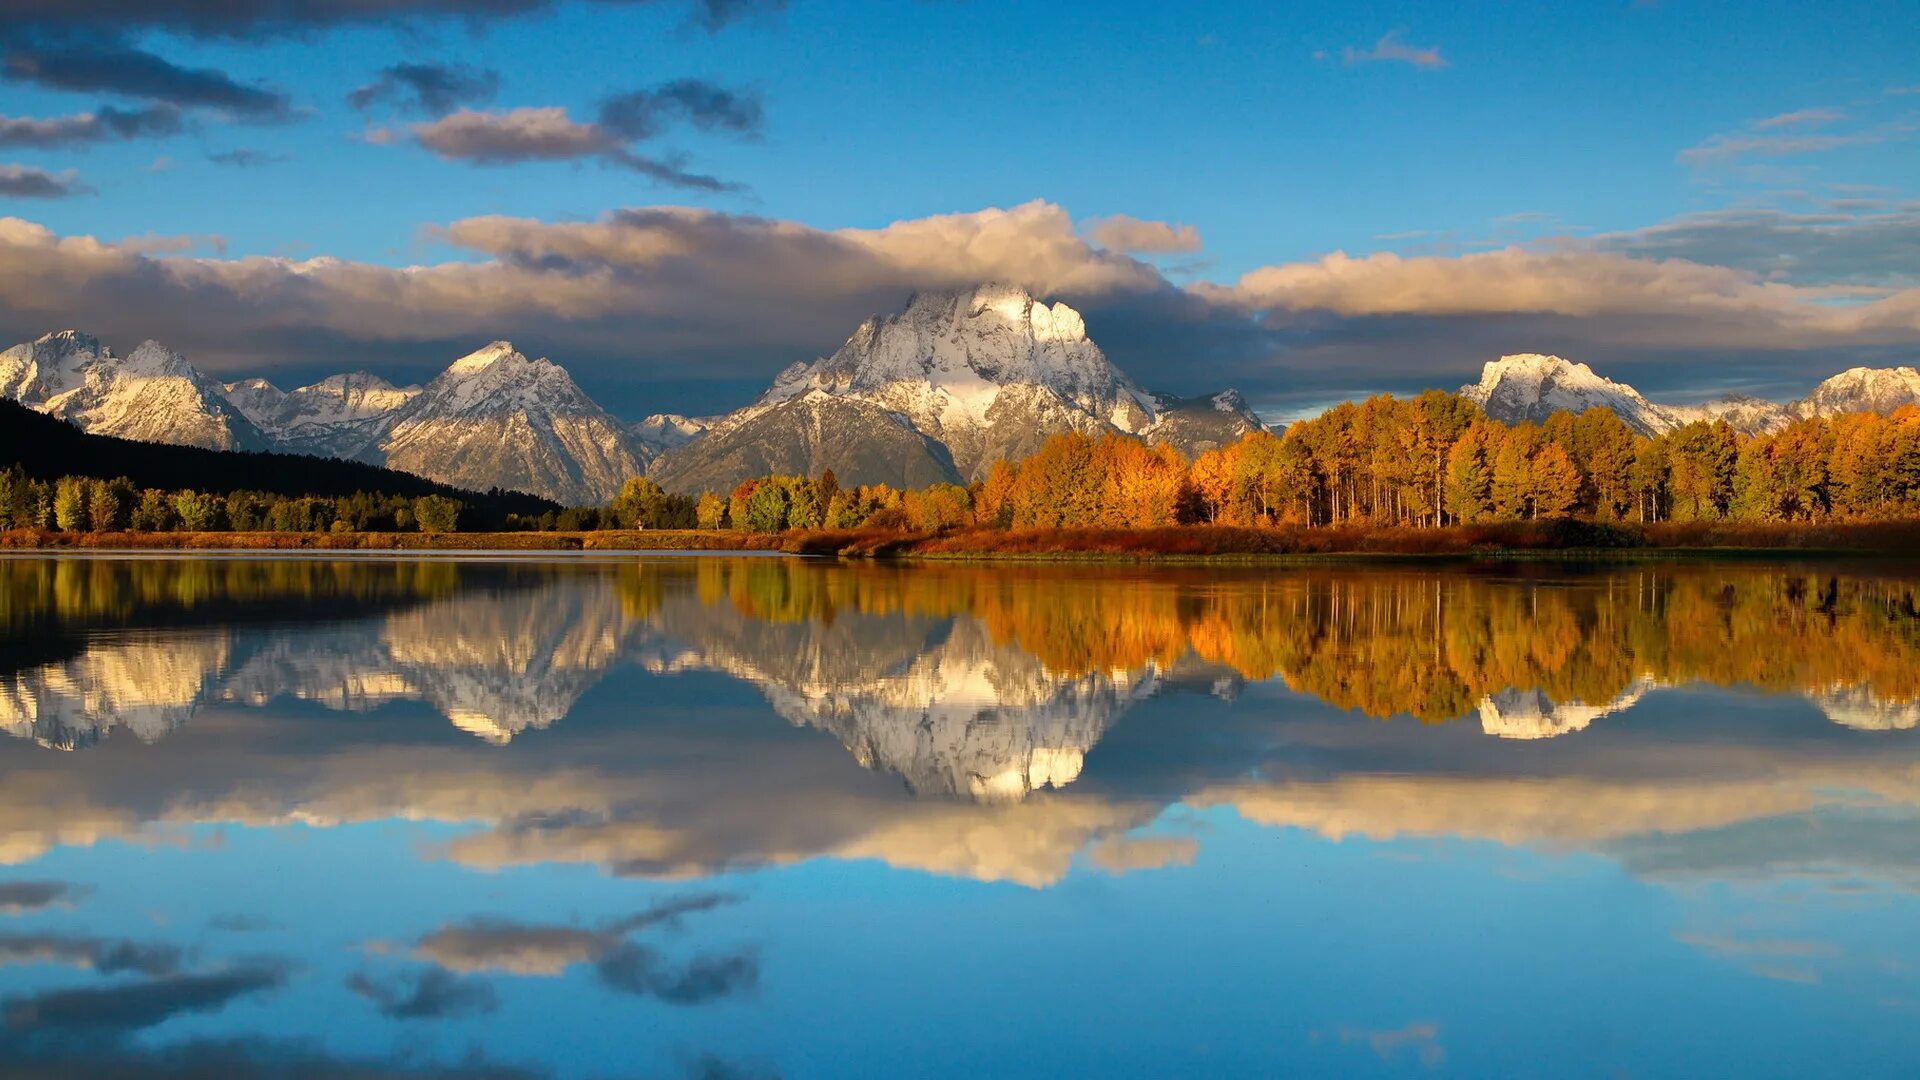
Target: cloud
x: 1391, y: 49
x: 100, y: 125
x: 1809, y: 249
x: 112, y: 66
x: 429, y: 994
x: 544, y: 134
x: 255, y: 18
x: 640, y: 971
x: 1139, y: 236
x: 20, y: 897
x: 135, y: 1006
x: 1720, y: 148
x: 27, y: 182
x: 642, y: 114
x: 1423, y: 1037
x: 1126, y: 854
x: 650, y: 293
x: 544, y: 949
x: 246, y: 159
x: 431, y: 90
x: 105, y: 956
x: 1801, y: 118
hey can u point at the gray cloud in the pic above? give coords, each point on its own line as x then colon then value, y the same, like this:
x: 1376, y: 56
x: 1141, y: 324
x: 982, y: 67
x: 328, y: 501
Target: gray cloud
x: 246, y: 159
x: 642, y: 114
x: 97, y: 64
x: 1806, y: 249
x: 19, y: 897
x: 134, y: 1006
x: 429, y: 994
x: 506, y: 137
x: 106, y: 956
x: 431, y: 90
x: 27, y: 182
x: 100, y: 125
x: 1391, y: 49
x: 251, y: 18
x: 644, y: 296
x: 640, y: 971
x: 530, y: 949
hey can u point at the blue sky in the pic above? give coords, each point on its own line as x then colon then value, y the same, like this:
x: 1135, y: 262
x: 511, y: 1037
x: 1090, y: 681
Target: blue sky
x: 1281, y: 133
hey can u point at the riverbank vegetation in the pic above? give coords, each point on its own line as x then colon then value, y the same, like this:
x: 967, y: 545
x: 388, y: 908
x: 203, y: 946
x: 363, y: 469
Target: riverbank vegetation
x: 1426, y: 476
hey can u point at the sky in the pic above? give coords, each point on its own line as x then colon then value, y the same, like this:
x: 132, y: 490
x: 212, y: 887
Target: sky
x: 677, y: 198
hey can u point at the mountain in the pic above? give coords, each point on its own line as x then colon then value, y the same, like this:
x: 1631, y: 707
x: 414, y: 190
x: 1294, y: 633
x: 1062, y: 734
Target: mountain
x: 941, y: 390
x: 339, y: 416
x: 1880, y: 390
x: 47, y: 449
x: 152, y: 394
x: 1744, y: 412
x: 1529, y: 387
x: 497, y: 419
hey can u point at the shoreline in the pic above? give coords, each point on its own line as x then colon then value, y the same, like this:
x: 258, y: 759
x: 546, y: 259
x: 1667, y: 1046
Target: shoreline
x: 1182, y: 545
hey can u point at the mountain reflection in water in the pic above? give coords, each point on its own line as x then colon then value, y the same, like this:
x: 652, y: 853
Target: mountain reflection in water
x: 689, y: 726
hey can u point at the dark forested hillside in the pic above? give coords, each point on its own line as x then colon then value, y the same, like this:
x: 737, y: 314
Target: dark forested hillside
x: 46, y: 448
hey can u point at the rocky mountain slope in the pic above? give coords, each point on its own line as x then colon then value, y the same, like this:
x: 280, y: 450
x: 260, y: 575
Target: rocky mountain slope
x: 1530, y: 386
x: 494, y: 418
x: 980, y: 374
x: 339, y: 416
x: 152, y: 394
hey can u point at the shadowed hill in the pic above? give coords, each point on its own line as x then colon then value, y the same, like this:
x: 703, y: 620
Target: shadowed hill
x: 48, y: 448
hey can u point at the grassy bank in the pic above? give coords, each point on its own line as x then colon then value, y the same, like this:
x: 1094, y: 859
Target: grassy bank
x: 1186, y: 543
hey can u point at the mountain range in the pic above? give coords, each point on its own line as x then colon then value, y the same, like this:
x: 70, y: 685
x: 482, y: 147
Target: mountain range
x: 1530, y: 387
x: 934, y: 393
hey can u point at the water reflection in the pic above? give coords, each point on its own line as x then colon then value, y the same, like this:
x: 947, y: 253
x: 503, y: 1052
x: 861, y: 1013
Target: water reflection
x: 668, y: 784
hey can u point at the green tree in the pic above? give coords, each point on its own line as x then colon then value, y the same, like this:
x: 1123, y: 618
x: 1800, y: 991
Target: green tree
x: 70, y: 504
x: 712, y: 511
x: 198, y: 511
x: 641, y: 504
x: 766, y: 508
x: 110, y: 504
x: 437, y: 514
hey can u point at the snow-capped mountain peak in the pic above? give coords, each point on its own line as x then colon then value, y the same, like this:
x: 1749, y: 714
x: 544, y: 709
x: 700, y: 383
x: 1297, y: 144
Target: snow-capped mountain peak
x: 152, y: 394
x: 485, y: 357
x: 1863, y: 389
x: 494, y: 418
x: 1533, y: 386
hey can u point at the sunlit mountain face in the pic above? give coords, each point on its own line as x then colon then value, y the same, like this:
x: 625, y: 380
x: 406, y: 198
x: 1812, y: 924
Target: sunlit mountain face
x: 762, y: 816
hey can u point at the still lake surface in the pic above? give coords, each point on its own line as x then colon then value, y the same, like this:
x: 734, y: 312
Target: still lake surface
x: 717, y: 816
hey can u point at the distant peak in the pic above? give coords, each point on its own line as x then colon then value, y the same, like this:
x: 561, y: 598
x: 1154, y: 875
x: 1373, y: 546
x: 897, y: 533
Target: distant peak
x: 483, y: 358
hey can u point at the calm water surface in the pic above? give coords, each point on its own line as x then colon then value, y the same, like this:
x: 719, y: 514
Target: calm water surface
x: 759, y: 817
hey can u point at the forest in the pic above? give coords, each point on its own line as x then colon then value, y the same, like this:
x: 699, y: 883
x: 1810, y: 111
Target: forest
x: 1424, y: 462
x: 1385, y: 463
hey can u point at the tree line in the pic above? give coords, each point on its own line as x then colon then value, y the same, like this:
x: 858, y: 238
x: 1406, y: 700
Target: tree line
x: 1427, y: 461
x: 89, y: 504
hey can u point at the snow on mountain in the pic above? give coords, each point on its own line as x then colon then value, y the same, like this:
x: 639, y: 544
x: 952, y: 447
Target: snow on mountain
x: 339, y: 416
x: 494, y: 418
x: 1860, y: 389
x: 1531, y: 714
x: 152, y: 394
x: 985, y: 373
x: 664, y: 431
x: 1531, y: 387
x: 1857, y: 706
x: 1745, y: 413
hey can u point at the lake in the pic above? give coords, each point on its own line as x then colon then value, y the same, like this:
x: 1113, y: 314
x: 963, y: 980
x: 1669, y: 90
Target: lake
x: 741, y: 817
